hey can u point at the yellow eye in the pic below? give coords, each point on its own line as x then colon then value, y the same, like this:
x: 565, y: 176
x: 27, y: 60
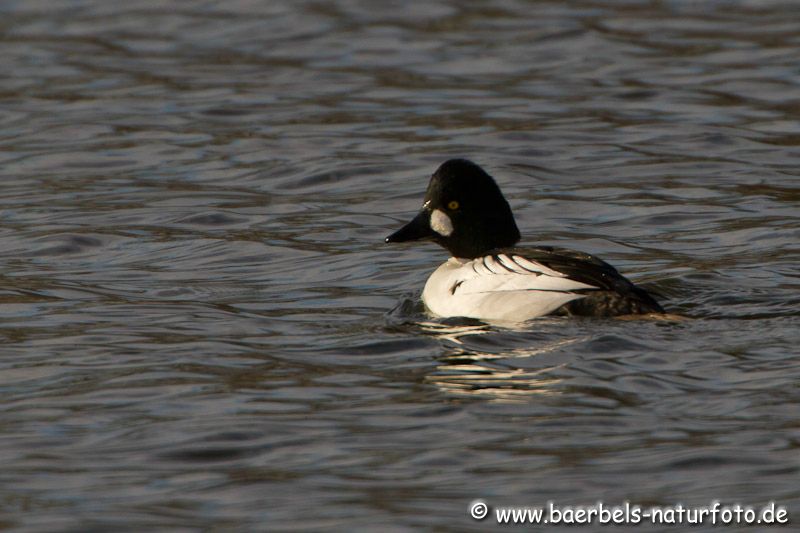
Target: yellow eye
x: 453, y: 205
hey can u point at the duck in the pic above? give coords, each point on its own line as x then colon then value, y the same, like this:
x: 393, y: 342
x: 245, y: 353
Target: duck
x: 488, y: 277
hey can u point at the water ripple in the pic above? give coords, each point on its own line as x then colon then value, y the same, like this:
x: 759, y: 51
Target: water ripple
x: 201, y: 324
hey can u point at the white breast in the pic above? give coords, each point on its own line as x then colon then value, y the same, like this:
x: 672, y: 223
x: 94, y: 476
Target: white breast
x: 509, y: 288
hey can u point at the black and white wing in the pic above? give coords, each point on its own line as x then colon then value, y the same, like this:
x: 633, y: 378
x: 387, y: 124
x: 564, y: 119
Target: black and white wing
x: 522, y: 284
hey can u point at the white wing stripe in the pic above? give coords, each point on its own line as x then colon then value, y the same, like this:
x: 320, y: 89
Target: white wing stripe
x: 518, y: 273
x: 493, y: 266
x: 532, y: 266
x: 480, y: 267
x: 510, y: 265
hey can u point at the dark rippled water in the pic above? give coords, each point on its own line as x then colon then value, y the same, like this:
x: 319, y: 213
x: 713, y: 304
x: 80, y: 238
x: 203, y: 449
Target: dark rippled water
x: 202, y: 328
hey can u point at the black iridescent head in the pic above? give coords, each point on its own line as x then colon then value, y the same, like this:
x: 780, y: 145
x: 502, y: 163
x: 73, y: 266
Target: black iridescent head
x: 464, y: 211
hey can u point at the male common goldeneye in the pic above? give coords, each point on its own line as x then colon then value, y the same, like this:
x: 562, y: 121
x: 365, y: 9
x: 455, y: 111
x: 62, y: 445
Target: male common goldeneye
x: 488, y: 278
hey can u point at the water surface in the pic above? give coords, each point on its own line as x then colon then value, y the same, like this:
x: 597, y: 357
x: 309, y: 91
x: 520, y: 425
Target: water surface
x: 202, y: 327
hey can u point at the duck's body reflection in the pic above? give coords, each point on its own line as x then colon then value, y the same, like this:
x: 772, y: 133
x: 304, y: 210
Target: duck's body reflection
x: 467, y: 371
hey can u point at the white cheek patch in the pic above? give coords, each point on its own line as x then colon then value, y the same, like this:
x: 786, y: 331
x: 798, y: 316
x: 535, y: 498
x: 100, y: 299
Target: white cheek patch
x: 441, y: 223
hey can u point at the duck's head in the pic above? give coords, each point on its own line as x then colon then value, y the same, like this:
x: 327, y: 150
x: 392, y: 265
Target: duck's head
x: 464, y: 211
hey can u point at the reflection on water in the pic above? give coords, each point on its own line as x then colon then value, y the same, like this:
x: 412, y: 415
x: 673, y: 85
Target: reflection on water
x: 201, y: 325
x: 468, y: 372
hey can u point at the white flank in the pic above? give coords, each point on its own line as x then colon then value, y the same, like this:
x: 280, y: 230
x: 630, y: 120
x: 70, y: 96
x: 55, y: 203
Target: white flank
x: 507, y: 288
x: 441, y: 223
